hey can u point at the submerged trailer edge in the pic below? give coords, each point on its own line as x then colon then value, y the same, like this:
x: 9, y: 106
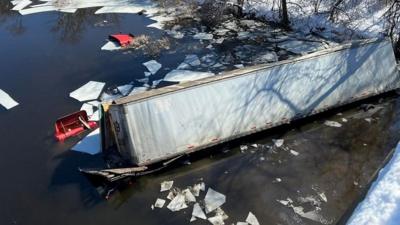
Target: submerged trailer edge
x: 166, y: 122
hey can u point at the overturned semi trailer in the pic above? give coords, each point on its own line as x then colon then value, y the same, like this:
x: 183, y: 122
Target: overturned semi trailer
x: 164, y: 123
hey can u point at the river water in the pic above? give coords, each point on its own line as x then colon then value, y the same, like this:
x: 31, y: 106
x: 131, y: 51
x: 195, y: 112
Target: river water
x: 46, y: 56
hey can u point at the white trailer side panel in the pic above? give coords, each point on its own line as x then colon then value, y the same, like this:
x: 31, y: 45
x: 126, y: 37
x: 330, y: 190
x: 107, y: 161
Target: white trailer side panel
x: 191, y: 116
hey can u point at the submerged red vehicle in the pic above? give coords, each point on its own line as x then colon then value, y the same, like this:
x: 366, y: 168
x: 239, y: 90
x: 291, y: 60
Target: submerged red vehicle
x: 122, y: 39
x: 72, y: 125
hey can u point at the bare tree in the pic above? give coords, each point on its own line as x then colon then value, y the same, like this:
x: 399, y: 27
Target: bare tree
x: 285, y: 16
x: 392, y: 16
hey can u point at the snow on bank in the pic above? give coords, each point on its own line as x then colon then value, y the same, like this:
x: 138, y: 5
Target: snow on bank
x: 381, y: 206
x: 358, y: 19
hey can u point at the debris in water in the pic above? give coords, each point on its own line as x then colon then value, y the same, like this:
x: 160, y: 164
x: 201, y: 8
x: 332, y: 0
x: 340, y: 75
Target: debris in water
x: 177, y: 203
x: 198, y: 212
x: 166, y: 185
x: 278, y: 142
x: 90, y: 144
x: 293, y: 152
x: 89, y: 91
x: 332, y: 123
x: 159, y: 203
x: 153, y: 66
x: 186, y: 75
x: 213, y: 200
x: 7, y: 101
x: 344, y: 120
x: 251, y: 219
x: 285, y: 202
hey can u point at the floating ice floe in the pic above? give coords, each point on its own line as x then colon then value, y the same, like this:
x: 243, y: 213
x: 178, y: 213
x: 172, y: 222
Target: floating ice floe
x: 21, y: 4
x: 94, y: 103
x: 197, y: 188
x: 178, y: 203
x: 251, y: 219
x: 278, y: 142
x: 189, y: 196
x: 95, y: 116
x: 213, y: 200
x: 119, y: 9
x: 159, y: 203
x: 332, y: 123
x: 90, y: 144
x: 153, y: 66
x: 161, y: 19
x: 125, y: 89
x: 138, y: 90
x: 7, y: 101
x: 166, y: 185
x: 344, y: 120
x: 293, y: 152
x: 111, y: 46
x: 88, y: 108
x: 239, y: 66
x: 89, y: 91
x: 203, y: 36
x: 33, y: 10
x: 186, y: 75
x: 198, y: 212
x: 192, y: 60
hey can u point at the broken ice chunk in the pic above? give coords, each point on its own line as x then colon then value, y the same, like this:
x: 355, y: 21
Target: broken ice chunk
x: 243, y: 148
x: 278, y: 142
x: 171, y: 195
x: 239, y: 66
x: 323, y: 196
x: 242, y: 223
x: 89, y: 91
x: 203, y: 36
x: 159, y: 203
x: 285, y: 202
x: 219, y: 217
x: 166, y: 185
x: 213, y: 200
x: 193, y: 219
x: 278, y: 180
x: 293, y: 152
x: 88, y: 108
x: 192, y: 60
x: 186, y: 75
x: 138, y: 90
x: 22, y: 4
x: 94, y: 103
x: 153, y: 66
x: 147, y: 74
x: 251, y: 219
x: 198, y: 212
x: 125, y: 89
x: 111, y: 46
x: 6, y: 100
x: 344, y: 120
x: 332, y: 123
x: 188, y: 195
x: 90, y: 144
x: 197, y: 188
x: 177, y: 203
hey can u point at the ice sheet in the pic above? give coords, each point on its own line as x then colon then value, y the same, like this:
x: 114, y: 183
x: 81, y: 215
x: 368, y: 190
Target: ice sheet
x: 119, y: 9
x: 178, y: 203
x: 186, y: 75
x: 90, y: 144
x: 22, y: 4
x: 153, y: 66
x: 213, y: 200
x: 89, y: 91
x: 198, y: 212
x: 6, y: 100
x: 251, y: 219
x: 166, y: 185
x: 37, y: 10
x: 111, y: 46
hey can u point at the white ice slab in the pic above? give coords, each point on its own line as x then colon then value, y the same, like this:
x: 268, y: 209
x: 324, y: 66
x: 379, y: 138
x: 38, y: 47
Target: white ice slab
x: 159, y: 203
x: 153, y: 66
x: 278, y: 142
x: 189, y: 197
x: 111, y: 46
x: 332, y: 123
x: 203, y: 36
x: 166, y: 185
x: 88, y: 108
x: 90, y: 144
x: 125, y: 89
x: 95, y: 116
x: 89, y: 91
x: 186, y: 75
x: 22, y: 4
x: 192, y: 60
x: 28, y: 11
x: 119, y: 9
x: 251, y: 219
x: 213, y: 200
x: 6, y: 100
x: 198, y: 212
x: 178, y: 203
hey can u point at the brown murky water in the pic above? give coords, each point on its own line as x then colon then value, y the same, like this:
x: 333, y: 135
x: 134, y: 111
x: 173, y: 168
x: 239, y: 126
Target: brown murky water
x: 46, y: 56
